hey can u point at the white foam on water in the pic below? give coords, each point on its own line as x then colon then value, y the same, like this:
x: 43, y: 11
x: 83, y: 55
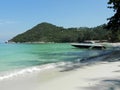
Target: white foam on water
x: 29, y: 70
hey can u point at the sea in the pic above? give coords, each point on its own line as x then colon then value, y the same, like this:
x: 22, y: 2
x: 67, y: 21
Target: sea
x: 18, y: 59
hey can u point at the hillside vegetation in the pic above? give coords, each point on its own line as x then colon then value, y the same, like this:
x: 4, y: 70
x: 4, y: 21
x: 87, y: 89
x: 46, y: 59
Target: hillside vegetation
x: 46, y: 32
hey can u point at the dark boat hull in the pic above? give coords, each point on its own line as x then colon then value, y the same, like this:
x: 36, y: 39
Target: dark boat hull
x: 89, y: 46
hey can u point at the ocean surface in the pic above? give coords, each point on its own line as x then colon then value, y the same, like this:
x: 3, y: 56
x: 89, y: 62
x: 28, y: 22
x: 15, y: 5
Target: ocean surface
x: 21, y: 56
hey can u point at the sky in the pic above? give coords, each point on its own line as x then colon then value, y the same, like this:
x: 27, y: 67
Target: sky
x: 18, y: 16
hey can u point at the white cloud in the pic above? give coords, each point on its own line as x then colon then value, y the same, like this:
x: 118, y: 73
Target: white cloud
x: 7, y: 22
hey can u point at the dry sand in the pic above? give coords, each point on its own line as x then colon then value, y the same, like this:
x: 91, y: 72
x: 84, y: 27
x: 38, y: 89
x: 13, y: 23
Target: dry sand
x: 100, y: 76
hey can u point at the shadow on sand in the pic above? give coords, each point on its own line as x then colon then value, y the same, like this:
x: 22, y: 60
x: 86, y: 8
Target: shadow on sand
x: 109, y: 56
x: 105, y: 84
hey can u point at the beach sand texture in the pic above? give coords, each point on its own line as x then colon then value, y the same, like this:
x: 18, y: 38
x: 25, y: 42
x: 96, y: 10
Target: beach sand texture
x: 99, y: 76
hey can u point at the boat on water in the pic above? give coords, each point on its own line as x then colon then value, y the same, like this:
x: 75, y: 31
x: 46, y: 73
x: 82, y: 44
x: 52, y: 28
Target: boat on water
x: 88, y: 45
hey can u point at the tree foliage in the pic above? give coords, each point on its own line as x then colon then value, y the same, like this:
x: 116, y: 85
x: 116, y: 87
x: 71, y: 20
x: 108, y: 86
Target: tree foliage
x: 46, y: 32
x: 114, y: 22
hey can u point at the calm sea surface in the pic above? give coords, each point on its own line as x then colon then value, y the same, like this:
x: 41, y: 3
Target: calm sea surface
x: 17, y: 56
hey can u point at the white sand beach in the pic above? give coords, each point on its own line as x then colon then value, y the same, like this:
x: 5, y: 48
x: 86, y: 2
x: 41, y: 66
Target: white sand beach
x: 99, y: 76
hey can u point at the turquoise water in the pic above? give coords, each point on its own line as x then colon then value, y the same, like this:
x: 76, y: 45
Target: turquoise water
x: 17, y: 56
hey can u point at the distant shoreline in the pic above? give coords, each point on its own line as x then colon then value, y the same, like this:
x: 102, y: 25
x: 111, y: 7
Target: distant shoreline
x: 115, y: 44
x: 29, y: 42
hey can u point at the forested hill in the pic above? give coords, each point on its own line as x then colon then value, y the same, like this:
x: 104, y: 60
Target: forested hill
x: 46, y: 32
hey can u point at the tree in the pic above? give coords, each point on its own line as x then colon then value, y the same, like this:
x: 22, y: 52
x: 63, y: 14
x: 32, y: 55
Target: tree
x: 46, y: 32
x: 114, y: 21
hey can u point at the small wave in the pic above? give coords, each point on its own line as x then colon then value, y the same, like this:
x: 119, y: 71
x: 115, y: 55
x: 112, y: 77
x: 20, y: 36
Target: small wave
x: 16, y: 73
x: 44, y: 67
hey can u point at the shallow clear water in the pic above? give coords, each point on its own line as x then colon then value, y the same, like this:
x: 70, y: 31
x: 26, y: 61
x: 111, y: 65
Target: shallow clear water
x: 17, y: 56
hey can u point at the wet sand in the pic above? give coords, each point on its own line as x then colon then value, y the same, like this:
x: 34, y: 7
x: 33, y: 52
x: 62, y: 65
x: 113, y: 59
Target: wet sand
x: 99, y: 76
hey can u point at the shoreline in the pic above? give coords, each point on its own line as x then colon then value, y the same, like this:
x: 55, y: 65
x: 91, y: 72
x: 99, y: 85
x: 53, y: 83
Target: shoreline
x: 68, y: 65
x: 87, y: 78
x: 107, y: 56
x: 95, y: 73
x: 82, y: 78
x: 34, y: 69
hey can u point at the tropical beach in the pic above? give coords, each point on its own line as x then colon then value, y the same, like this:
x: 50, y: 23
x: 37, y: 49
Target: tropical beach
x: 97, y: 76
x: 60, y: 45
x: 92, y: 70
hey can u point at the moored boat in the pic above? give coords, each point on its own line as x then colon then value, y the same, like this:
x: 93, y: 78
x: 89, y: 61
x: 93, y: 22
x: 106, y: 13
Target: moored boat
x: 88, y: 45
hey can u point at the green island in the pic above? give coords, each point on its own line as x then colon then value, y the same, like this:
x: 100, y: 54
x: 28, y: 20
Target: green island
x: 46, y: 32
x: 56, y: 64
